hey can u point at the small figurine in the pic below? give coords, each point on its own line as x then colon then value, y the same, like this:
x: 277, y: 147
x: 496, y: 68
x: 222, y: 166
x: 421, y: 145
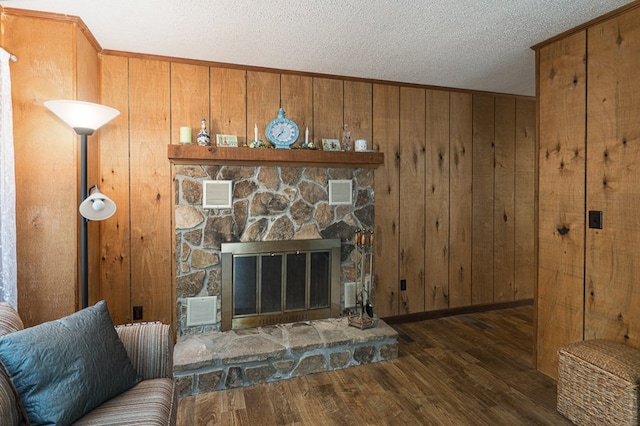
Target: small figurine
x: 203, y: 136
x: 346, y: 138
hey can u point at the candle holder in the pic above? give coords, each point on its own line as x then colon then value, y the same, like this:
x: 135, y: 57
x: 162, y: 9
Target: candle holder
x: 259, y: 144
x: 304, y: 145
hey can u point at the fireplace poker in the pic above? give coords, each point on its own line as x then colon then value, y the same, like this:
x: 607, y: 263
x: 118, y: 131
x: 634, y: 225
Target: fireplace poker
x: 363, y: 259
x: 356, y: 241
x: 370, y: 289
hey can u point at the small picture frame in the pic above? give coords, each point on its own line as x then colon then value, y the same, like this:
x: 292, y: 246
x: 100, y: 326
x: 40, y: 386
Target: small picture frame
x: 227, y: 140
x: 331, y: 145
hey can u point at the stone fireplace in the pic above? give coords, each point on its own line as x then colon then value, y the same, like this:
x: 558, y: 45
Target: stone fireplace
x: 288, y: 206
x: 270, y: 203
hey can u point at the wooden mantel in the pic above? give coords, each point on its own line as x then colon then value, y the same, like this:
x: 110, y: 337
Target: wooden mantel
x: 195, y: 154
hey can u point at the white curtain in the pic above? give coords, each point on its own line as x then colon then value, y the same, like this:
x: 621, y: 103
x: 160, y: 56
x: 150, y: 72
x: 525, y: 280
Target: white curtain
x: 8, y: 262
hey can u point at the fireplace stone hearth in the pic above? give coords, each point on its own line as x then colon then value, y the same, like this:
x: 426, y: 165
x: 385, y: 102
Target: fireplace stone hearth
x: 231, y: 359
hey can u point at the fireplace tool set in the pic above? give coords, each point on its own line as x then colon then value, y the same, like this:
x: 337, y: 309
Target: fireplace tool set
x: 363, y: 318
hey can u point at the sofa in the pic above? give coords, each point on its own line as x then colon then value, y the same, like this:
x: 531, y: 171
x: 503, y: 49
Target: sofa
x: 82, y: 370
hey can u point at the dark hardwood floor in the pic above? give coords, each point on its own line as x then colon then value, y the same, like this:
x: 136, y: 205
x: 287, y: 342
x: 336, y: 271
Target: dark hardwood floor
x: 473, y: 369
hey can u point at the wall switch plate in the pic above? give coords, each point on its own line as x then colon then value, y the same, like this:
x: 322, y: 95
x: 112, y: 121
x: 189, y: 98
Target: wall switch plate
x: 403, y: 285
x: 595, y: 219
x: 137, y: 312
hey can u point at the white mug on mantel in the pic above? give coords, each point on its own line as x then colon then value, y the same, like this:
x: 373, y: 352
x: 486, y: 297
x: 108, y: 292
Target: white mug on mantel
x: 361, y: 145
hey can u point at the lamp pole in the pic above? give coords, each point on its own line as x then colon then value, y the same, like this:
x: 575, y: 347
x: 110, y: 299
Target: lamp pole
x: 84, y: 223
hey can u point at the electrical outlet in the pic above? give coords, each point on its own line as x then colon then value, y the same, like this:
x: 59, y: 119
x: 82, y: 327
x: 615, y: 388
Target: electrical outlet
x: 137, y: 312
x: 403, y: 285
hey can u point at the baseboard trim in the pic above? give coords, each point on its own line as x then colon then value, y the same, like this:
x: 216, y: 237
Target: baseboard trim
x: 420, y: 316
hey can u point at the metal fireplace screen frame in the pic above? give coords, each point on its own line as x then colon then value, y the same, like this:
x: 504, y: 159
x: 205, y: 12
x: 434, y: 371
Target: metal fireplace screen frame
x: 261, y: 264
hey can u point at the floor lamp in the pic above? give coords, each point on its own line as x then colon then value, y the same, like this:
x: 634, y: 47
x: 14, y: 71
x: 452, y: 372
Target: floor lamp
x: 85, y: 118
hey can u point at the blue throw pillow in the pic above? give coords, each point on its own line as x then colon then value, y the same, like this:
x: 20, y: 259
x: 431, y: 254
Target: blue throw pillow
x: 65, y: 368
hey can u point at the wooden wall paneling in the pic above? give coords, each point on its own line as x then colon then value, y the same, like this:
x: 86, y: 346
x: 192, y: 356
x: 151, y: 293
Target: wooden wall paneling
x: 47, y: 218
x: 189, y: 100
x: 561, y: 227
x: 483, y: 198
x: 525, y: 207
x: 358, y: 98
x: 228, y: 106
x: 297, y: 102
x: 386, y: 130
x: 412, y: 198
x: 328, y: 109
x: 263, y: 101
x: 460, y: 198
x: 151, y: 185
x: 504, y: 200
x: 87, y: 66
x: 437, y: 200
x: 115, y: 232
x: 612, y: 308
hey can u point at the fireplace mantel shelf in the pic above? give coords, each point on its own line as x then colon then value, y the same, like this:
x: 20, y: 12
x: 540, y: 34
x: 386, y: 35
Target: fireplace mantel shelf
x: 195, y: 154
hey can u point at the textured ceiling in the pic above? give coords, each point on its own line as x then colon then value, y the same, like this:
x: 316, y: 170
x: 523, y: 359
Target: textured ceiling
x: 467, y: 44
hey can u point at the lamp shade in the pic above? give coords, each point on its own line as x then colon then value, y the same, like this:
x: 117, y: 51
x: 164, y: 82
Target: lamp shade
x: 83, y: 117
x: 97, y: 206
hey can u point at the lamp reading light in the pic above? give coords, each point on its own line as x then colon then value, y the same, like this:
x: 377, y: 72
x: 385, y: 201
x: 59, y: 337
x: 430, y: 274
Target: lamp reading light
x: 97, y: 206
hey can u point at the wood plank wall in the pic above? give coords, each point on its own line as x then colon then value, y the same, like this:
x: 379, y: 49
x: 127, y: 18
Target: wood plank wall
x: 561, y: 197
x: 50, y: 57
x: 439, y: 224
x: 589, y: 133
x: 115, y: 233
x: 613, y: 180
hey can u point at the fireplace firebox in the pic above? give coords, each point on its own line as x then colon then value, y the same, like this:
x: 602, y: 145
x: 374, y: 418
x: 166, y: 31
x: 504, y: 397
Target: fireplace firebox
x: 272, y: 282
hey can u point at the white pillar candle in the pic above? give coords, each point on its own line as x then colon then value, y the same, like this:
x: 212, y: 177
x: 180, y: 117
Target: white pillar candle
x: 185, y: 134
x: 306, y: 135
x: 255, y: 133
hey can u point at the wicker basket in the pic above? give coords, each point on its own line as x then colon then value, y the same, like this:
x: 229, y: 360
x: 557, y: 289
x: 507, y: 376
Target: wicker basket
x: 598, y: 383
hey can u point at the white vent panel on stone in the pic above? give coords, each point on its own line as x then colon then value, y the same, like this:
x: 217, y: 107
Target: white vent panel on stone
x: 340, y: 192
x: 349, y: 295
x: 216, y: 194
x: 202, y: 310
